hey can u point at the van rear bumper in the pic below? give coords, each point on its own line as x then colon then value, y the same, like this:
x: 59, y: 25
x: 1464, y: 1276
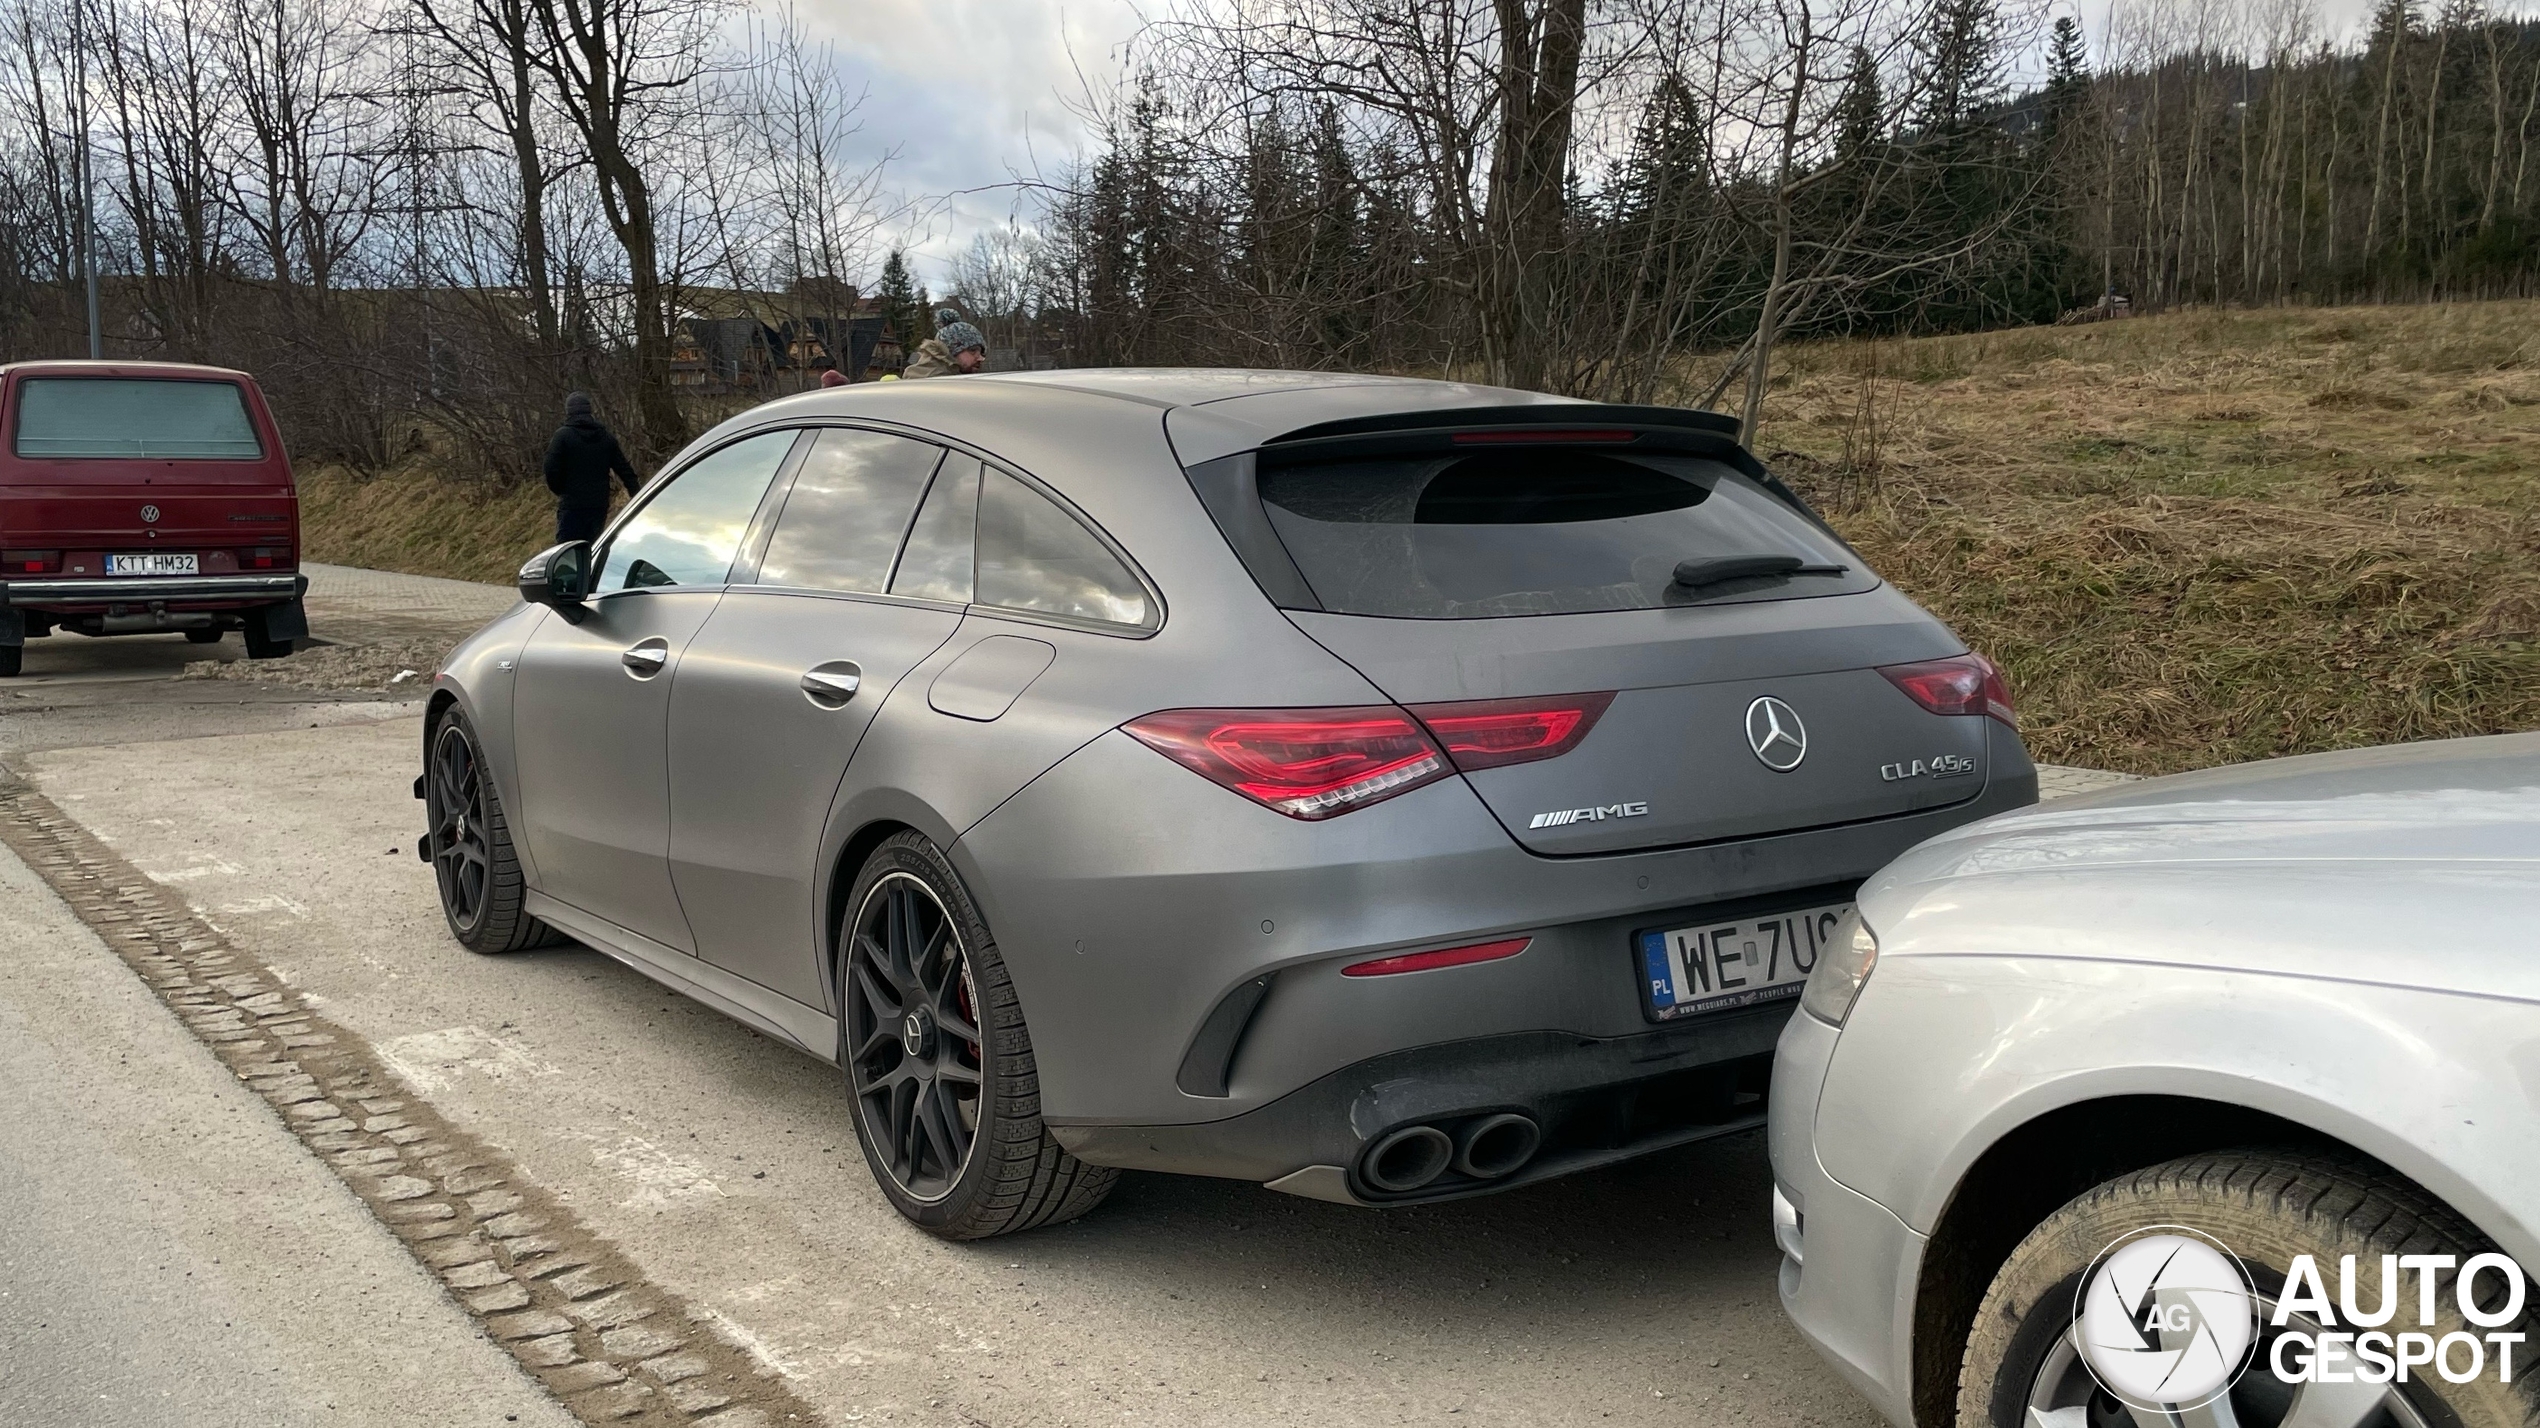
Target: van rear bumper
x: 142, y: 589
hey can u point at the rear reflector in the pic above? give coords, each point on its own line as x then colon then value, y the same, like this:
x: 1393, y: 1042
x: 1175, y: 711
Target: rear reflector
x: 1963, y: 684
x: 1541, y: 438
x: 1445, y: 957
x: 1487, y: 733
x: 1305, y: 763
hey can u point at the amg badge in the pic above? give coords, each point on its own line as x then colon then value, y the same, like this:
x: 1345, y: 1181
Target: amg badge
x: 1561, y: 816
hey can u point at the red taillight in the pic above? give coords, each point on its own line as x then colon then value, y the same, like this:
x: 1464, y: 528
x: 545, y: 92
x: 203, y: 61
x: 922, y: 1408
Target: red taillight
x: 29, y: 562
x: 1444, y: 957
x: 1305, y: 763
x: 1523, y: 437
x: 1486, y: 733
x: 265, y: 557
x: 1963, y: 684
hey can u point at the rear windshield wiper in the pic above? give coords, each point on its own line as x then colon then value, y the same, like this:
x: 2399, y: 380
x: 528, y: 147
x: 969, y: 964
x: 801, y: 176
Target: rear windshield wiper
x: 1720, y: 569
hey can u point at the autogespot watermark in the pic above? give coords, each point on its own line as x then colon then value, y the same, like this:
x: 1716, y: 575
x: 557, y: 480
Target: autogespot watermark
x: 2168, y: 1318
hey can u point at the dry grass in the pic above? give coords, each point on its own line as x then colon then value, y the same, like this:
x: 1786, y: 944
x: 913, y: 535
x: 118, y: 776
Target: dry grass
x: 424, y: 523
x: 2206, y: 537
x: 2191, y: 539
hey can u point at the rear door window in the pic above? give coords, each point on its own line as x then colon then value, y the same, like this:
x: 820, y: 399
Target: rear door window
x: 1034, y: 556
x: 155, y: 418
x: 689, y: 530
x: 936, y: 565
x: 848, y: 508
x: 1538, y: 531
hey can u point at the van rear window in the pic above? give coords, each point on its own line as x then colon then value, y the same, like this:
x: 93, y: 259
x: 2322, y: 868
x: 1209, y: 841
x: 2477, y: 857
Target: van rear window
x: 1536, y: 531
x: 146, y: 417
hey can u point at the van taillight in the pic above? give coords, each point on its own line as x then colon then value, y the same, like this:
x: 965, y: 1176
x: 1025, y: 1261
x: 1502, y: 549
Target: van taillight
x: 265, y: 557
x: 29, y: 562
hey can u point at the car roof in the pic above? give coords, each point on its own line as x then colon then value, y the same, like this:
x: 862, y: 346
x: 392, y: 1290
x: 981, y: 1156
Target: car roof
x: 66, y: 367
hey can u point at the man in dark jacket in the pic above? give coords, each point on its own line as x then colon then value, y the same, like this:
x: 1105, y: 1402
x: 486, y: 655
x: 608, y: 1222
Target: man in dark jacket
x: 580, y: 461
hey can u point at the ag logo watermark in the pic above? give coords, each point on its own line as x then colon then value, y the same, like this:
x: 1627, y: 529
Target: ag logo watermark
x: 2167, y: 1318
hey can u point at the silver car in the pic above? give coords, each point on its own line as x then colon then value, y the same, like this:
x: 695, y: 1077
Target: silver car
x: 1382, y: 790
x: 2288, y: 1009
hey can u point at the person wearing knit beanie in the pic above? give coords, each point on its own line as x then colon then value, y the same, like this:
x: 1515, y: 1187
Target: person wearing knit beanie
x: 956, y: 348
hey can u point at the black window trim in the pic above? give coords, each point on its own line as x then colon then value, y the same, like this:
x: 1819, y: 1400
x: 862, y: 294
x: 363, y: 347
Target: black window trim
x: 754, y: 546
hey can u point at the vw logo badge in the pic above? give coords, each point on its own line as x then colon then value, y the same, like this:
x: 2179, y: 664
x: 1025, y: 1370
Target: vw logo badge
x: 1775, y: 733
x: 149, y: 515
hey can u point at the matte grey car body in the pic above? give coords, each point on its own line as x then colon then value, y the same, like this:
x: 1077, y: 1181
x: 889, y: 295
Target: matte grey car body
x: 2332, y: 952
x: 686, y: 799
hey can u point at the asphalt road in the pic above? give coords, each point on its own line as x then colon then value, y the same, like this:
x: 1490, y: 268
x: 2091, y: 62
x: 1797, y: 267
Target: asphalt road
x: 723, y: 1165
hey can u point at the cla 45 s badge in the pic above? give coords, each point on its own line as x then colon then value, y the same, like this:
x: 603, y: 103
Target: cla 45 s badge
x: 1937, y: 766
x: 1561, y: 816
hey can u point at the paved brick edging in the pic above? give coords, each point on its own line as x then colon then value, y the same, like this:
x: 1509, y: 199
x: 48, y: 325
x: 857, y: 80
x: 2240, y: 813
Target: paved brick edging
x: 572, y: 1309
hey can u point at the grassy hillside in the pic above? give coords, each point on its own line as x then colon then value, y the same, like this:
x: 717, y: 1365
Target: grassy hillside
x: 2206, y: 537
x: 2191, y: 539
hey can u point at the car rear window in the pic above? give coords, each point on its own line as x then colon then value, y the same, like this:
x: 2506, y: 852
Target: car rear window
x: 165, y: 418
x: 1538, y: 531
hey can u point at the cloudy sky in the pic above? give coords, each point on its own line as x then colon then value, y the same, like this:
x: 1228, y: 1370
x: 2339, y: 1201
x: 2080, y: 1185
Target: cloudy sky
x: 970, y: 93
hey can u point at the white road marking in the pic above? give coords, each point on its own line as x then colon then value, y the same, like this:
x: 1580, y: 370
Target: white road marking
x: 431, y: 1060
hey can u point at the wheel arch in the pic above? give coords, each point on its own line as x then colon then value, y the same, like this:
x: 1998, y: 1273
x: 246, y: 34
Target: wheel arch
x: 2031, y: 1171
x: 843, y: 868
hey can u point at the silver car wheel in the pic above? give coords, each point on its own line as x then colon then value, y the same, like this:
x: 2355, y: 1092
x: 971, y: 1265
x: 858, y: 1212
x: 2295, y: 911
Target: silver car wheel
x: 914, y: 1050
x: 2064, y: 1395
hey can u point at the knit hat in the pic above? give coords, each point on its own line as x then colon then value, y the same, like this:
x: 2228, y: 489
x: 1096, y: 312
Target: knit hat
x: 577, y: 404
x: 958, y: 336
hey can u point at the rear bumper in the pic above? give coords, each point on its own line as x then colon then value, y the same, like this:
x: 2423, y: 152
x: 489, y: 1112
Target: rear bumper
x: 1597, y: 1100
x: 257, y: 589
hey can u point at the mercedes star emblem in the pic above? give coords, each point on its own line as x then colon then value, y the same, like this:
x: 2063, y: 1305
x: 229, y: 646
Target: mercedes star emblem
x: 149, y: 515
x: 1775, y: 733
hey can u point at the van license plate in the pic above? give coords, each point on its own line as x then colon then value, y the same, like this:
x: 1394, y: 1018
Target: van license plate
x: 1736, y: 962
x: 151, y: 565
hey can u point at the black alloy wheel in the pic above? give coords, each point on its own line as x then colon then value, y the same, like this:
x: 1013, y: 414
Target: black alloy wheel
x: 931, y: 1036
x: 470, y: 846
x: 456, y: 807
x: 913, y: 1037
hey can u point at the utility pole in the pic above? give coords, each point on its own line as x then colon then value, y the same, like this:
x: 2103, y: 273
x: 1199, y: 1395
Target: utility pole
x: 87, y: 185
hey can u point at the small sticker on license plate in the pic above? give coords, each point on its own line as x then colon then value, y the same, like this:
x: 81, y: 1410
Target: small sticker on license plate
x: 152, y: 564
x: 1734, y: 962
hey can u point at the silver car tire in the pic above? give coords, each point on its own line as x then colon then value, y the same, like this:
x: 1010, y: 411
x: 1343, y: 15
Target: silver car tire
x: 2020, y: 1369
x: 947, y: 1099
x: 469, y: 843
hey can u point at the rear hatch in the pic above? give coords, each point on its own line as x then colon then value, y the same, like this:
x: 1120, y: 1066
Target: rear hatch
x: 1492, y: 557
x: 102, y: 464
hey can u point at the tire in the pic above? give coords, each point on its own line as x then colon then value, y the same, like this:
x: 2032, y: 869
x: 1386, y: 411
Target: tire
x: 209, y: 635
x: 12, y: 660
x: 912, y: 944
x: 260, y: 647
x: 2266, y: 1206
x: 470, y: 844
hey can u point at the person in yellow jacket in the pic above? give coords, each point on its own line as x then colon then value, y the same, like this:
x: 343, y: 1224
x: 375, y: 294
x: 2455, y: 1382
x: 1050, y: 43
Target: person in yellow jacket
x: 956, y: 349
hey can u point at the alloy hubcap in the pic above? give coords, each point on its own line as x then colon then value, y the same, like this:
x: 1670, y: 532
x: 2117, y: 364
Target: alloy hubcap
x: 913, y: 1044
x: 2064, y: 1395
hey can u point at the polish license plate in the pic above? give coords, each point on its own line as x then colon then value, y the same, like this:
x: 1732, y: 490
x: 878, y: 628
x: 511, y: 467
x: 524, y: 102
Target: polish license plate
x: 1735, y: 962
x: 153, y: 564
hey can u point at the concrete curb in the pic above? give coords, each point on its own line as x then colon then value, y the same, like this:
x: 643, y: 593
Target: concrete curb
x: 573, y: 1310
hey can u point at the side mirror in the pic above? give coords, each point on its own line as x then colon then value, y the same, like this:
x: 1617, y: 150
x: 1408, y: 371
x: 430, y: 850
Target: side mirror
x: 557, y: 577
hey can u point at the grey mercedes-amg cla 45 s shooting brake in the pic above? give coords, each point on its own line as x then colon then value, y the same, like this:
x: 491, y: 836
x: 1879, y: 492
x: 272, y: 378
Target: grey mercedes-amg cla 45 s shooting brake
x: 1383, y: 790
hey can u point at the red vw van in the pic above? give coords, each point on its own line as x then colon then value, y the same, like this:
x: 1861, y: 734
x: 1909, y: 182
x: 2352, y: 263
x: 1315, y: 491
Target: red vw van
x: 144, y: 496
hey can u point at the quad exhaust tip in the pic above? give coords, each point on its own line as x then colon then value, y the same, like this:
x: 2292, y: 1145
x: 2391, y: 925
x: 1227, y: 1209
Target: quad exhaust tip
x: 1409, y: 1159
x: 1488, y: 1148
x: 1497, y: 1145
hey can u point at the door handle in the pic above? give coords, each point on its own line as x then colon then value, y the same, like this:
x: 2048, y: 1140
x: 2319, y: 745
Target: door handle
x: 831, y: 685
x: 645, y: 658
